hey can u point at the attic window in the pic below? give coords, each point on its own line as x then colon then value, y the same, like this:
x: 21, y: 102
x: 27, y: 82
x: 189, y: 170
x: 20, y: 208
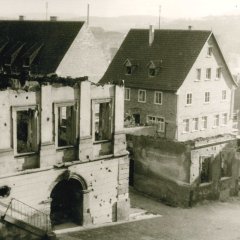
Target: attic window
x: 128, y: 70
x: 209, y: 51
x: 152, y: 71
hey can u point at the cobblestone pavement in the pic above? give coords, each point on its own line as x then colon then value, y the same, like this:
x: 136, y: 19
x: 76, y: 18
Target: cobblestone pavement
x: 206, y: 221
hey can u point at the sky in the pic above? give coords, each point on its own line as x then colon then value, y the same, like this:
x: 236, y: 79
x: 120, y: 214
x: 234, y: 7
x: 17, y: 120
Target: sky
x: 112, y: 8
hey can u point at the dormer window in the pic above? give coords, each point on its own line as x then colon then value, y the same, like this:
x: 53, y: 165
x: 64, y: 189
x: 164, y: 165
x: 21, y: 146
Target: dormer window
x: 153, y: 68
x: 152, y: 72
x: 129, y: 70
x: 130, y: 66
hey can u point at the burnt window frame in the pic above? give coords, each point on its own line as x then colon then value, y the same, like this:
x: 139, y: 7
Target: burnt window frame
x: 14, y: 141
x: 58, y: 105
x: 111, y: 119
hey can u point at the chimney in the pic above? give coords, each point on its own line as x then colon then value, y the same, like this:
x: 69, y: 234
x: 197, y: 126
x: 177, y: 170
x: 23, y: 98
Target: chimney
x: 21, y: 18
x: 53, y: 18
x: 151, y: 34
x: 189, y: 27
x: 88, y: 12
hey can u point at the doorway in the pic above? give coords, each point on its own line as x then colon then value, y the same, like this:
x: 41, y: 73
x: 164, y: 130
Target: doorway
x: 67, y: 202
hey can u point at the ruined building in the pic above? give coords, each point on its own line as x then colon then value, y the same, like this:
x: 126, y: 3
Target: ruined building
x: 178, y: 82
x: 63, y: 152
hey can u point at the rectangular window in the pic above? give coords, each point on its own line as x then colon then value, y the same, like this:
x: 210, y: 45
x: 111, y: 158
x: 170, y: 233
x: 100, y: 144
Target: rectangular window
x: 186, y: 125
x: 127, y: 94
x: 204, y: 122
x: 189, y: 98
x: 216, y: 120
x: 225, y: 165
x: 208, y: 73
x: 198, y: 71
x: 103, y: 121
x: 161, y: 124
x: 26, y: 128
x: 66, y: 125
x: 128, y: 70
x: 218, y: 73
x: 209, y: 51
x: 158, y: 98
x: 224, y: 119
x: 224, y: 94
x: 205, y: 169
x: 151, y: 120
x: 207, y: 97
x: 142, y: 96
x: 195, y: 124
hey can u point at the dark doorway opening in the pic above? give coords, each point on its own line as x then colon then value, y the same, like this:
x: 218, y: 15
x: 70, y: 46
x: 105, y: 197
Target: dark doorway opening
x: 137, y: 118
x: 67, y: 203
x: 131, y: 172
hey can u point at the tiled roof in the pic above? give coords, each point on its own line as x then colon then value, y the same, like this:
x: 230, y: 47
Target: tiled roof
x: 172, y: 51
x: 42, y: 43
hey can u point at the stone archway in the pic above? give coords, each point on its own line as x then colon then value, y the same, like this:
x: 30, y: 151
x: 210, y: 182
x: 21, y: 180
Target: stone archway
x: 67, y: 203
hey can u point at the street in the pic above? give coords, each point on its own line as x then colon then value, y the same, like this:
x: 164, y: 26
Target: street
x: 207, y: 221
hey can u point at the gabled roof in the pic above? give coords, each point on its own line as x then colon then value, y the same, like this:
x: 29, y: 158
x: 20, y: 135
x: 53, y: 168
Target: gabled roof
x: 175, y: 51
x: 42, y: 43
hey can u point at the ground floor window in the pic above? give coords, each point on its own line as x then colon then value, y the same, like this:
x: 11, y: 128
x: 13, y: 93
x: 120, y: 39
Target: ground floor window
x: 226, y: 165
x: 205, y: 169
x: 159, y: 121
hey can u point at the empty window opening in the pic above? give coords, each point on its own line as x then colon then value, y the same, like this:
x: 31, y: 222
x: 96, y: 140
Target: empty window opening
x: 4, y: 191
x: 152, y: 71
x: 225, y: 166
x: 205, y: 169
x: 103, y: 121
x: 137, y: 118
x: 26, y: 131
x: 66, y: 126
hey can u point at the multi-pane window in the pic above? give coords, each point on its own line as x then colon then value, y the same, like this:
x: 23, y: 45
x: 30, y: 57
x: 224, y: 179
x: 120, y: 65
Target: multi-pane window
x: 141, y: 95
x: 151, y: 119
x: 127, y: 94
x: 209, y: 51
x: 218, y: 73
x: 195, y: 124
x: 198, y: 72
x: 186, y: 125
x: 158, y: 97
x: 207, y: 97
x: 224, y: 119
x: 216, y: 120
x: 224, y: 94
x: 159, y: 121
x: 204, y: 122
x: 189, y: 98
x: 208, y: 73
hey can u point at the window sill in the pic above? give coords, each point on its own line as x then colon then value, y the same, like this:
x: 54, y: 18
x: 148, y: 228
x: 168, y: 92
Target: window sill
x: 25, y: 154
x: 225, y: 178
x: 205, y: 184
x: 158, y: 103
x: 206, y: 103
x: 207, y: 79
x: 195, y: 131
x: 65, y: 147
x: 102, y: 141
x: 127, y: 99
x: 141, y: 101
x: 185, y: 132
x: 197, y: 80
x: 217, y: 79
x: 188, y: 105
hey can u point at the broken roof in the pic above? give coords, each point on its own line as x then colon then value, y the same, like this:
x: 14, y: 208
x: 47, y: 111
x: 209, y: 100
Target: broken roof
x: 40, y: 43
x: 174, y: 51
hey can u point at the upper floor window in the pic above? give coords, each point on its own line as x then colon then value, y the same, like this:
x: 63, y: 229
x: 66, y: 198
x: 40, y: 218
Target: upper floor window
x: 209, y: 51
x: 127, y: 94
x: 141, y: 95
x: 208, y: 73
x: 130, y: 65
x: 224, y: 119
x: 198, y: 73
x: 224, y: 94
x: 158, y: 98
x: 204, y: 122
x: 189, y: 98
x: 207, y: 97
x: 195, y: 124
x: 216, y: 120
x: 218, y: 73
x: 186, y: 125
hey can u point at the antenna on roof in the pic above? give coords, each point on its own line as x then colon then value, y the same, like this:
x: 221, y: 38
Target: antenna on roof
x: 159, y: 16
x: 46, y: 6
x: 88, y: 10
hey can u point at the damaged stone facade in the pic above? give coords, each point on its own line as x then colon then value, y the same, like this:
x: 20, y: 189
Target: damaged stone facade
x: 63, y: 151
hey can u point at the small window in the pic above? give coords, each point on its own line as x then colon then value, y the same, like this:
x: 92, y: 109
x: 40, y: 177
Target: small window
x: 26, y: 131
x: 216, y: 121
x: 127, y: 94
x: 205, y: 169
x: 142, y: 96
x: 103, y: 121
x: 151, y: 120
x: 209, y: 51
x: 224, y: 119
x: 218, y: 73
x: 186, y: 125
x: 224, y: 94
x: 189, y: 98
x: 204, y: 122
x: 158, y: 98
x: 152, y: 71
x: 195, y: 124
x: 128, y: 70
x: 199, y: 72
x: 161, y: 124
x: 207, y: 97
x: 66, y: 126
x: 208, y: 73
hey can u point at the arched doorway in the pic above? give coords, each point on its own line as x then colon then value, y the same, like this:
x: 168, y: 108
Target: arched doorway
x: 67, y: 202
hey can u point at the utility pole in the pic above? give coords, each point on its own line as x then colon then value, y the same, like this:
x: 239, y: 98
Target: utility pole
x: 159, y: 16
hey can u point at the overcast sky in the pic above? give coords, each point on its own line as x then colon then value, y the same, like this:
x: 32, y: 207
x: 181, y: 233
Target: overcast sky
x: 110, y: 8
